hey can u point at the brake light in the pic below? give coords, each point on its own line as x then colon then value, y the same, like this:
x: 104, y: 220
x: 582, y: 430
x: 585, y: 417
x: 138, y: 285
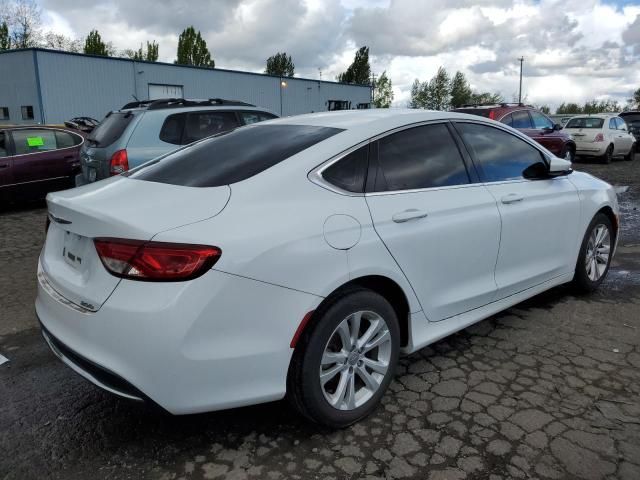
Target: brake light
x: 155, y: 261
x: 119, y: 162
x: 492, y: 115
x: 599, y: 138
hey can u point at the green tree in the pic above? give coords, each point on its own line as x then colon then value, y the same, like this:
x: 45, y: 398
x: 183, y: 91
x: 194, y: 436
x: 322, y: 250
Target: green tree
x: 460, y: 90
x: 93, y: 44
x: 383, y: 91
x: 545, y: 109
x: 192, y: 49
x: 486, y: 98
x: 5, y: 39
x: 280, y: 64
x: 417, y: 94
x: 438, y: 92
x: 359, y: 72
x: 148, y: 55
x: 569, y: 109
x: 636, y: 98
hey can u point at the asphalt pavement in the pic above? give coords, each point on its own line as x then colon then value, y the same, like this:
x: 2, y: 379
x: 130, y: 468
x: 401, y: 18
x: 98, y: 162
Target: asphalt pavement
x: 549, y: 389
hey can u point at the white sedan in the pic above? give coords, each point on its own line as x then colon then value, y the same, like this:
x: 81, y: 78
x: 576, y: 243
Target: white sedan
x: 603, y: 135
x: 299, y: 257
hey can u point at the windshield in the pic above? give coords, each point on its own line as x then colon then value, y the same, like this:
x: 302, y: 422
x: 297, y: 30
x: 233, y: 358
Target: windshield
x: 233, y: 156
x: 585, y: 122
x: 110, y: 129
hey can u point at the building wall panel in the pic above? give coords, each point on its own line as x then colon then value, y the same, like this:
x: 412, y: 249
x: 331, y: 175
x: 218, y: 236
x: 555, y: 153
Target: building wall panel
x: 18, y: 85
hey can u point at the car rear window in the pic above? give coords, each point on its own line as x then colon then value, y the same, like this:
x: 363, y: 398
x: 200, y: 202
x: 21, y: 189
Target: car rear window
x: 110, y: 129
x: 585, y: 122
x: 233, y: 156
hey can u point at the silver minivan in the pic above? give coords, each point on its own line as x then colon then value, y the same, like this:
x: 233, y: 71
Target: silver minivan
x: 142, y: 131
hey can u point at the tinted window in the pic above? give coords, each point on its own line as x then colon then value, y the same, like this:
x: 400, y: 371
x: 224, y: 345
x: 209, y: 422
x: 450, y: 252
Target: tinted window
x: 4, y: 147
x: 350, y: 172
x: 540, y: 121
x: 32, y: 140
x: 612, y: 124
x: 521, y: 120
x: 500, y: 155
x: 172, y: 128
x: 204, y: 124
x: 585, y: 122
x: 66, y: 140
x: 4, y: 113
x: 508, y: 120
x: 420, y: 157
x: 255, y: 117
x: 110, y: 129
x: 233, y: 156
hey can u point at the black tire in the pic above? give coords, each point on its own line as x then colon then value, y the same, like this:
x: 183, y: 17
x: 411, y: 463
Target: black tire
x: 568, y: 149
x: 581, y: 280
x: 304, y: 390
x: 608, y: 155
x: 629, y: 156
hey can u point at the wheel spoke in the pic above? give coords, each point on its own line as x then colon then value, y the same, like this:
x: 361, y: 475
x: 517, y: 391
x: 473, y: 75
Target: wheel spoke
x: 381, y: 338
x: 329, y: 358
x: 327, y: 375
x: 369, y: 382
x: 350, y: 397
x: 373, y: 329
x: 354, y: 325
x: 376, y: 365
x: 345, y: 336
x: 337, y: 397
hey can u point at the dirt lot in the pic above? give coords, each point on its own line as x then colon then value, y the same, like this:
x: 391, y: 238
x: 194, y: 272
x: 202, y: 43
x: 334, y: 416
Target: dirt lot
x: 548, y: 389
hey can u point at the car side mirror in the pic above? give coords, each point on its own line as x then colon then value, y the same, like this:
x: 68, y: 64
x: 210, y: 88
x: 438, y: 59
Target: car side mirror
x: 557, y: 126
x: 559, y: 167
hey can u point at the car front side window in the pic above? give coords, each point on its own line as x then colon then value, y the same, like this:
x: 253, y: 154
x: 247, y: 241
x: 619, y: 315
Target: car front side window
x: 540, y: 121
x: 419, y: 157
x: 499, y: 155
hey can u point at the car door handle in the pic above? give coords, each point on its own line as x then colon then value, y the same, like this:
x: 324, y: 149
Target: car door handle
x: 511, y: 198
x: 411, y: 214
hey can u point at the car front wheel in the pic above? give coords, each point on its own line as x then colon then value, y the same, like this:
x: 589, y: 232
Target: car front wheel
x: 595, y: 254
x: 345, y: 359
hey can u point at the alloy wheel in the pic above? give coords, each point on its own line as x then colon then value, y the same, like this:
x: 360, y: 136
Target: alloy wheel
x: 598, y: 251
x: 355, y: 360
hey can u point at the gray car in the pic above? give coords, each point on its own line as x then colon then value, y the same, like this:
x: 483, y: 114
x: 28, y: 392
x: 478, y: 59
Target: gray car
x: 142, y: 131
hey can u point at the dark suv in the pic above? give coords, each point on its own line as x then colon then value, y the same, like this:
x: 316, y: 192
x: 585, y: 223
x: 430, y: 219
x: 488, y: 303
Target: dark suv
x: 632, y: 119
x: 529, y: 121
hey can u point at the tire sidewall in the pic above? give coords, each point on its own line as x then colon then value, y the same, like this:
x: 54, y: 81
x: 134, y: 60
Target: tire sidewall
x: 319, y: 335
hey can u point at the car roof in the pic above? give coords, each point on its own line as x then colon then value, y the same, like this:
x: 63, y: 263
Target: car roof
x: 596, y: 115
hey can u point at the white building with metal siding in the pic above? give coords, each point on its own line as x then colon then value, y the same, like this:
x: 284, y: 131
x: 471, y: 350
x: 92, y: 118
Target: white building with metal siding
x: 53, y: 86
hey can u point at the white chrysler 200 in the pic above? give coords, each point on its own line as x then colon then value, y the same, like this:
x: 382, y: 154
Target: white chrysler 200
x: 298, y: 257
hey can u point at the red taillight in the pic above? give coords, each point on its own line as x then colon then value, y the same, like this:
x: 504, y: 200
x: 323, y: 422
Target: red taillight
x: 599, y: 138
x: 155, y: 261
x: 119, y: 162
x: 492, y: 115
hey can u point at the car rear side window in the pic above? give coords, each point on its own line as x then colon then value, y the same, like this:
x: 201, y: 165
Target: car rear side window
x: 199, y: 125
x: 500, y: 155
x: 350, y: 172
x: 255, y: 117
x: 507, y: 120
x: 67, y: 140
x: 33, y: 140
x: 172, y: 128
x: 233, y: 156
x: 110, y: 129
x: 521, y: 119
x: 420, y: 157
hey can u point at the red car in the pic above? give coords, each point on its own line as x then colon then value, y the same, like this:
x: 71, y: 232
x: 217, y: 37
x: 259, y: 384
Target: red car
x: 529, y: 121
x: 35, y: 160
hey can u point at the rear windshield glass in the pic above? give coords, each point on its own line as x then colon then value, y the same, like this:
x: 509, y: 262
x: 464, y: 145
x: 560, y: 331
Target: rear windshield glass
x: 585, y: 122
x: 234, y: 156
x: 633, y: 120
x: 109, y: 129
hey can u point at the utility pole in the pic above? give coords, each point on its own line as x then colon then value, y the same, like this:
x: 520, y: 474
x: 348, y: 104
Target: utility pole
x: 521, y: 59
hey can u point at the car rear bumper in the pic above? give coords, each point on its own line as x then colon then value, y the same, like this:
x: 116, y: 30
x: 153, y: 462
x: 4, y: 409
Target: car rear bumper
x: 591, y: 149
x: 220, y: 341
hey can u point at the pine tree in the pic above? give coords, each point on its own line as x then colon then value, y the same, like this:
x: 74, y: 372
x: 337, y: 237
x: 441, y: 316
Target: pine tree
x: 359, y: 72
x: 5, y: 39
x: 192, y: 50
x: 94, y: 45
x: 151, y: 54
x: 460, y: 90
x: 383, y: 91
x: 438, y: 91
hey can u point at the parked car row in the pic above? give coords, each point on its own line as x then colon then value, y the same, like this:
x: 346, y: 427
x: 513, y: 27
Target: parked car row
x: 605, y: 136
x: 37, y: 160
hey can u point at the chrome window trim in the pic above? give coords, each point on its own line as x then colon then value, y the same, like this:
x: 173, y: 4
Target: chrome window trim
x: 9, y: 130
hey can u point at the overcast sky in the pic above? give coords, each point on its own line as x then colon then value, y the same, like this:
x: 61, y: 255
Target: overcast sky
x: 574, y: 50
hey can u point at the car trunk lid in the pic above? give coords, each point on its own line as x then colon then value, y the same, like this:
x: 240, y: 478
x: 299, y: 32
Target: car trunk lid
x: 119, y: 208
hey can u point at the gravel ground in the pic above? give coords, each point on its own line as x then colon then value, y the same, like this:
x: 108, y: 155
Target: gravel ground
x: 548, y: 389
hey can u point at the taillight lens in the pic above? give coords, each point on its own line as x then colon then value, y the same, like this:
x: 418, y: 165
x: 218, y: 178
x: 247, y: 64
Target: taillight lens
x: 599, y: 138
x: 119, y: 162
x: 492, y: 115
x: 155, y: 261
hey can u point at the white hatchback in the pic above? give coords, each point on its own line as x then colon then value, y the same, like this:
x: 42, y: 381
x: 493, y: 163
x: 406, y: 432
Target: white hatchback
x: 604, y: 136
x: 301, y: 256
